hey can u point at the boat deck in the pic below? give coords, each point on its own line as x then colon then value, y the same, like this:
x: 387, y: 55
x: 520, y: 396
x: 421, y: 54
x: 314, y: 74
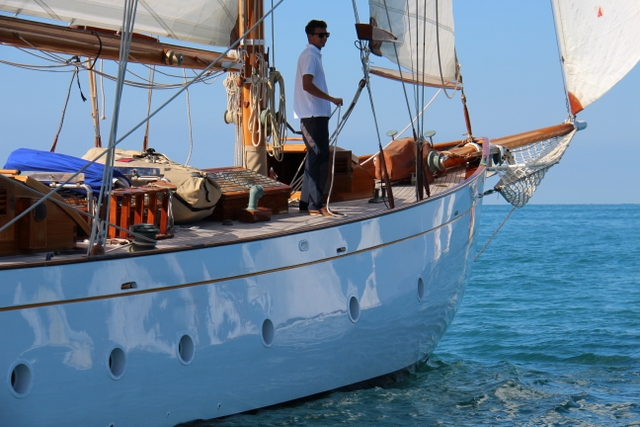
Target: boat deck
x: 213, y: 233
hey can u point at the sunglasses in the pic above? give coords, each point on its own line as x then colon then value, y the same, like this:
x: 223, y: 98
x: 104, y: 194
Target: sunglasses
x: 322, y: 35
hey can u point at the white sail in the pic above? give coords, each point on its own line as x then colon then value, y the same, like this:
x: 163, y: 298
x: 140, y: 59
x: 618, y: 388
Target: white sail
x: 599, y: 44
x: 208, y: 22
x: 425, y: 39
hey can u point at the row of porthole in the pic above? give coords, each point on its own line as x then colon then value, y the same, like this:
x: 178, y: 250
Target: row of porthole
x: 22, y: 377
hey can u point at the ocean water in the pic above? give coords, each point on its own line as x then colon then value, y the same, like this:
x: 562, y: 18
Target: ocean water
x: 548, y: 334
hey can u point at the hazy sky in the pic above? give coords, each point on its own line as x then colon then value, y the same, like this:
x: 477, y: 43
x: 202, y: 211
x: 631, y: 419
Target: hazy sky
x: 511, y: 72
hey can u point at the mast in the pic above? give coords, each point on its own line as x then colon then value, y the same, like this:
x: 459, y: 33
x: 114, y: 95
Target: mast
x: 93, y: 96
x: 254, y: 147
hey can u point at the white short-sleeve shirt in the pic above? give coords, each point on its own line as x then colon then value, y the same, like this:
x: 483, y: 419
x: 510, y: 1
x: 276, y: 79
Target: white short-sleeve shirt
x: 306, y: 105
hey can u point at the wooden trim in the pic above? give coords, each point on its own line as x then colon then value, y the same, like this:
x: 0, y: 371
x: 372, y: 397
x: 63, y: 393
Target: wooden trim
x: 39, y: 188
x: 526, y: 138
x: 413, y: 78
x: 236, y: 277
x: 102, y: 44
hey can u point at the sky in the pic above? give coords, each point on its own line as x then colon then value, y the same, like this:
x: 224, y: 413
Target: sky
x: 510, y: 66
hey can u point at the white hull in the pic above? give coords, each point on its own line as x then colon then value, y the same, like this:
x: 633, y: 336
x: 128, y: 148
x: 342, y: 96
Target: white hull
x: 406, y: 269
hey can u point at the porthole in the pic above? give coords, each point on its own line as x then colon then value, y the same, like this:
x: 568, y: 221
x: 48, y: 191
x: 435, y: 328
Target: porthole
x: 21, y: 379
x: 40, y: 212
x: 117, y: 363
x: 186, y: 349
x: 267, y: 332
x: 420, y: 288
x: 354, y: 309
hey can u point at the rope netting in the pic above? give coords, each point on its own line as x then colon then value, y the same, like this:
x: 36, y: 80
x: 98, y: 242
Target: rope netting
x: 526, y: 166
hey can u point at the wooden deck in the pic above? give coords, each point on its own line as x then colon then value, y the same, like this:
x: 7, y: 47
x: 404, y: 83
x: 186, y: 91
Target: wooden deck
x: 217, y: 233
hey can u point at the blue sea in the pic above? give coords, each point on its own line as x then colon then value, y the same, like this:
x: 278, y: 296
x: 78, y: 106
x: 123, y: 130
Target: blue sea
x: 548, y: 334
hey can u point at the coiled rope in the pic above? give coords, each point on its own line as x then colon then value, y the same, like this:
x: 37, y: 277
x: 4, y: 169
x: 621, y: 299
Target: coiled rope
x: 274, y: 117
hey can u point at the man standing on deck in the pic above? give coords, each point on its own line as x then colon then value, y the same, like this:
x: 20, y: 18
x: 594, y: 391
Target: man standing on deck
x: 312, y: 105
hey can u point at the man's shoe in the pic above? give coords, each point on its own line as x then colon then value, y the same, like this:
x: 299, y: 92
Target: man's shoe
x: 303, y: 206
x: 320, y: 212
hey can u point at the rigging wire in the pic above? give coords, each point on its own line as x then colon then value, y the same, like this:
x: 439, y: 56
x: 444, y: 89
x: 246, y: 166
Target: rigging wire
x: 273, y: 37
x: 355, y: 10
x: 133, y: 129
x: 494, y: 233
x: 52, y: 56
x: 99, y: 228
x: 557, y: 20
x: 404, y: 87
x: 440, y: 59
x: 422, y: 91
x: 375, y: 120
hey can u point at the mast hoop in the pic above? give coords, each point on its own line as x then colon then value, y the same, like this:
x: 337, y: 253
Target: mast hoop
x: 253, y: 42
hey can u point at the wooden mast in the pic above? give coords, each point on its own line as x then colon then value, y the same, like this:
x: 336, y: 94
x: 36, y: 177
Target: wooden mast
x: 254, y: 147
x: 93, y: 96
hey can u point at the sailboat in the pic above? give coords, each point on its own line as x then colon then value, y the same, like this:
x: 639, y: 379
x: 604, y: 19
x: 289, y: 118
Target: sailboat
x: 119, y: 309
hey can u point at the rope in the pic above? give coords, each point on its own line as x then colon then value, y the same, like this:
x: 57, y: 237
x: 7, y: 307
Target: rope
x: 232, y: 112
x: 103, y: 106
x: 494, y: 233
x: 258, y: 92
x: 145, y: 144
x: 333, y: 143
x: 188, y: 98
x: 276, y: 123
x: 64, y: 112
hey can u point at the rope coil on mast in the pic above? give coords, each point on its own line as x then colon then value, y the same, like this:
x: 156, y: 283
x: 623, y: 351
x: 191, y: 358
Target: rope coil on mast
x: 274, y: 116
x: 258, y: 92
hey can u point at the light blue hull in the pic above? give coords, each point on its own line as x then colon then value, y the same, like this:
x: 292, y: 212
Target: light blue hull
x: 209, y: 332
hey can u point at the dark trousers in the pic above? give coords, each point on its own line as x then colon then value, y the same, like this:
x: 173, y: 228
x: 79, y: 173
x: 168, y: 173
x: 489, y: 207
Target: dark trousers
x: 315, y: 134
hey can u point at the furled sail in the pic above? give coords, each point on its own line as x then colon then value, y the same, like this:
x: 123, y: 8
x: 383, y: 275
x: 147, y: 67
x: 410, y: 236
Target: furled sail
x: 424, y: 29
x: 599, y: 45
x: 208, y: 22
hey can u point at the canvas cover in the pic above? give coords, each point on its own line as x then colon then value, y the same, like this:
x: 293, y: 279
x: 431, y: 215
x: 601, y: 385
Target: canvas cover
x: 197, y: 193
x: 400, y: 159
x: 27, y: 159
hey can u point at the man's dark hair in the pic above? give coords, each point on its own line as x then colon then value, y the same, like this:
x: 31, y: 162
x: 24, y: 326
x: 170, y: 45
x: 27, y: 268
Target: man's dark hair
x: 313, y: 24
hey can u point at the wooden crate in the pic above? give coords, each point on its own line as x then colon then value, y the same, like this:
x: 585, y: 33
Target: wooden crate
x: 235, y: 183
x: 136, y: 205
x: 350, y: 180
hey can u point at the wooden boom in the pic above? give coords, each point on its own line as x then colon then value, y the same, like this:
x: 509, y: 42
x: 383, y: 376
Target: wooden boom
x: 104, y: 44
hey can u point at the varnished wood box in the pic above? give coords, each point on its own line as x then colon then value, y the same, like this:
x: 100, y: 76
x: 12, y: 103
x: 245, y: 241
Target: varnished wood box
x: 235, y: 183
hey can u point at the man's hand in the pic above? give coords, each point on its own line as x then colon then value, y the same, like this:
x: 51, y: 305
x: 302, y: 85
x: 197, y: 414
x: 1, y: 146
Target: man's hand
x: 337, y: 101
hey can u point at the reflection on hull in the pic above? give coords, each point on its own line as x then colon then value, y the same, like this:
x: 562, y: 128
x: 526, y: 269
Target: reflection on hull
x: 216, y: 331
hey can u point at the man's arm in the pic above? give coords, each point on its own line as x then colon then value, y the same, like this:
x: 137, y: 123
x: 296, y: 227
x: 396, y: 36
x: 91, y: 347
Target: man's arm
x: 309, y: 86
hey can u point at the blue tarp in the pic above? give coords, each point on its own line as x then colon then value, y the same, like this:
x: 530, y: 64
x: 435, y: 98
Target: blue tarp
x: 26, y: 159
